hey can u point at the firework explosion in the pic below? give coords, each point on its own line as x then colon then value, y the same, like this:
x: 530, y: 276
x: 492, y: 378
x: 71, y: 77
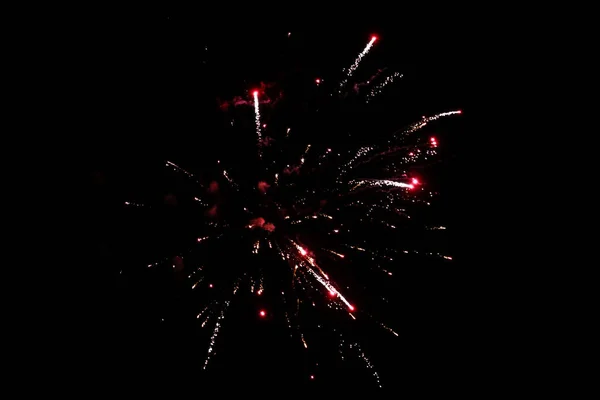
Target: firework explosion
x: 302, y: 213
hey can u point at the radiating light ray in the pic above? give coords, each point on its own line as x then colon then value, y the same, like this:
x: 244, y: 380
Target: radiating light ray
x: 306, y: 151
x: 205, y: 321
x: 211, y: 346
x: 257, y: 121
x: 201, y: 202
x: 341, y: 346
x: 179, y: 169
x: 303, y: 341
x: 356, y: 63
x: 286, y: 314
x: 156, y: 263
x: 133, y: 204
x: 261, y: 287
x: 340, y: 255
x: 323, y: 280
x: 379, y: 87
x: 231, y: 182
x: 256, y: 247
x: 310, y: 218
x: 323, y: 156
x: 380, y: 183
x: 367, y: 361
x: 387, y: 205
x: 199, y: 281
x: 205, y: 315
x: 360, y: 153
x: 236, y: 285
x: 387, y: 328
x: 368, y: 153
x: 422, y: 123
x: 202, y: 313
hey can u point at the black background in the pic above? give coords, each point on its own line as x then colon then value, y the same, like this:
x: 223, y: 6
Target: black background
x: 157, y: 91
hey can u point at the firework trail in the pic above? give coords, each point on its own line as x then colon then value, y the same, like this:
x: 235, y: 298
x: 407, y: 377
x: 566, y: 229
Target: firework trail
x: 367, y: 154
x: 323, y: 280
x: 379, y: 87
x: 257, y: 121
x: 354, y: 65
x: 213, y: 338
x: 381, y: 183
x: 421, y: 124
x: 179, y: 169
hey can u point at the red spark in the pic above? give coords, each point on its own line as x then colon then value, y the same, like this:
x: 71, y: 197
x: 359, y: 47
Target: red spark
x: 433, y: 139
x: 374, y: 38
x: 318, y: 80
x: 331, y: 293
x: 351, y: 307
x: 262, y: 313
x: 210, y: 286
x: 415, y: 181
x: 255, y: 93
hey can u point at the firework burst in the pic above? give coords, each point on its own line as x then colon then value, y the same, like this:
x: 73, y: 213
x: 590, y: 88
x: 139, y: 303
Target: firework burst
x: 303, y: 216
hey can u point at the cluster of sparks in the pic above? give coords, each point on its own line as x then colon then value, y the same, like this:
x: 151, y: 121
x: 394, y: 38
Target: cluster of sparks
x: 391, y: 196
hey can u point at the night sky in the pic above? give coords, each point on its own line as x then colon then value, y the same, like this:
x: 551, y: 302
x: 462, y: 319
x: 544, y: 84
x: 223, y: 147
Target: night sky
x: 159, y: 80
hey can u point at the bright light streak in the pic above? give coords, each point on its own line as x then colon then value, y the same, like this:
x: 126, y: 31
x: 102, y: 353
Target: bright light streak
x: 257, y: 119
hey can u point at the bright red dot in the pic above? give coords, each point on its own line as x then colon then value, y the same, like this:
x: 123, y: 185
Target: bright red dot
x: 351, y: 308
x: 312, y: 377
x: 211, y: 285
x: 318, y: 80
x: 460, y: 111
x: 255, y: 93
x: 373, y: 37
x: 262, y: 313
x: 332, y: 293
x: 415, y: 181
x: 433, y: 139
